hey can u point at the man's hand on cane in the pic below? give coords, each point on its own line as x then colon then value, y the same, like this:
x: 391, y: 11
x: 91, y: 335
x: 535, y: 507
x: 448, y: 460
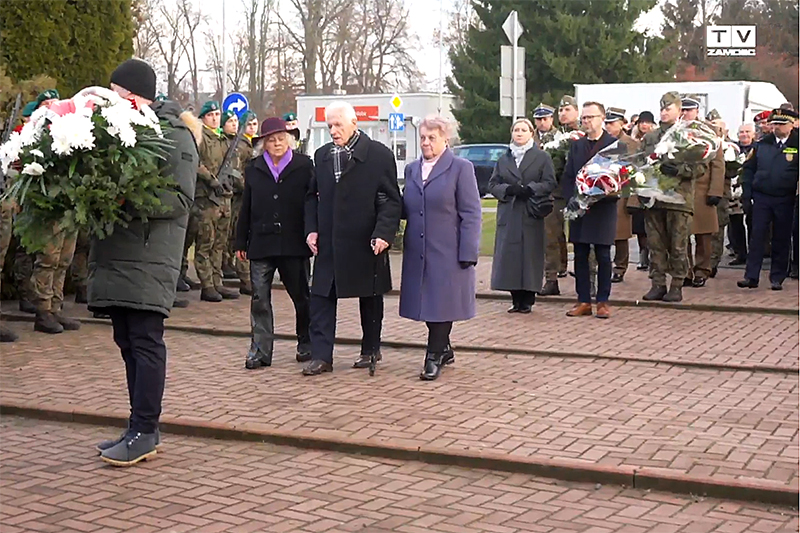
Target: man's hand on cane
x: 379, y: 245
x: 311, y: 241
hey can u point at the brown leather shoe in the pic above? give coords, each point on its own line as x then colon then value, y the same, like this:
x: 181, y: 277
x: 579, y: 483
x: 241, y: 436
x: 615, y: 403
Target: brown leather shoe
x: 580, y: 310
x: 603, y: 310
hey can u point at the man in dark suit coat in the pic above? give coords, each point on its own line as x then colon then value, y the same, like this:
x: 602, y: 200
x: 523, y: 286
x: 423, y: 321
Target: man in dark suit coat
x: 352, y: 215
x: 597, y: 228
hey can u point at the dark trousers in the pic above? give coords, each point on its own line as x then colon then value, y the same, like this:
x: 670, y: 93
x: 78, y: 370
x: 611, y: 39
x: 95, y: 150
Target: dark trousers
x: 438, y: 336
x: 323, y: 324
x: 582, y: 272
x: 523, y: 298
x: 140, y: 337
x: 778, y: 212
x: 795, y: 237
x: 737, y: 235
x: 294, y: 275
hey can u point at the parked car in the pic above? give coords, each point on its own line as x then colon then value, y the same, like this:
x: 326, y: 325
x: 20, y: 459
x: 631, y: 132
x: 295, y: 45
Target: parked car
x: 483, y: 157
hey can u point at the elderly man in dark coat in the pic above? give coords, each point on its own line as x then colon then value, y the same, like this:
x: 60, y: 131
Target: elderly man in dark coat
x: 352, y: 215
x: 133, y: 273
x: 523, y: 179
x: 598, y: 227
x: 441, y: 242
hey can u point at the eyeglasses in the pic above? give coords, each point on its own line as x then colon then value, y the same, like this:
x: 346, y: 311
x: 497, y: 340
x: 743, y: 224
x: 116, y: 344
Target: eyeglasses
x: 586, y: 118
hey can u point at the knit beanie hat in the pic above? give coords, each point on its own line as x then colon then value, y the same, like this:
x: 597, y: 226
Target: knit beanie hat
x: 136, y: 76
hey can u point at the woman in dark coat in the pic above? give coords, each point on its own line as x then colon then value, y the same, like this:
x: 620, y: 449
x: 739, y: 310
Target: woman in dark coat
x: 525, y: 174
x: 441, y: 242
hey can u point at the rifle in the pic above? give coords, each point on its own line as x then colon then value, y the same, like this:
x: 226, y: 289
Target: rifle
x: 12, y: 119
x: 223, y: 175
x: 303, y: 146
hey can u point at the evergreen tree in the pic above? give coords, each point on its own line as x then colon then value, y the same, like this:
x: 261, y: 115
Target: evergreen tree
x: 77, y: 42
x: 566, y: 42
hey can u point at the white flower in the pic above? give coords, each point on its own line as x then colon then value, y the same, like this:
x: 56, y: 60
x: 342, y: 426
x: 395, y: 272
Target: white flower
x: 37, y: 153
x: 70, y: 132
x: 639, y: 178
x: 731, y: 152
x: 9, y: 151
x: 33, y: 169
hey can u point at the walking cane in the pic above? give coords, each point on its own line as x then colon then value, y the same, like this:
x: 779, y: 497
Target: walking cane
x: 373, y: 357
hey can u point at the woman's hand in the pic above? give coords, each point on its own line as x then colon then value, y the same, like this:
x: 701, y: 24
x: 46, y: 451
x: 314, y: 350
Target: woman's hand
x: 241, y: 255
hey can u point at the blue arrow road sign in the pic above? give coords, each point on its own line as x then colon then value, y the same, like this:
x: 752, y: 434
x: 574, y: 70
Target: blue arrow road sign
x: 235, y: 102
x: 396, y: 122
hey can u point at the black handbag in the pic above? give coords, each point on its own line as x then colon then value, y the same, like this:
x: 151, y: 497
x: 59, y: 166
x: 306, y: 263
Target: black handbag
x: 539, y: 206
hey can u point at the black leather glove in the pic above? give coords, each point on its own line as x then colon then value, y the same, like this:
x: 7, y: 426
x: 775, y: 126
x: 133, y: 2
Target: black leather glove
x: 514, y: 189
x: 669, y: 169
x: 467, y: 264
x: 573, y: 204
x: 713, y: 200
x: 526, y: 193
x: 217, y: 187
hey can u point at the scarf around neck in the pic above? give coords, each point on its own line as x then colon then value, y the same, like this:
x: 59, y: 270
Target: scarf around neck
x: 343, y: 154
x: 519, y: 151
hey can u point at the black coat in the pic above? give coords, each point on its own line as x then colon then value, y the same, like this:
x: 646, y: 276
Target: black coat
x: 137, y: 266
x: 771, y: 171
x: 348, y: 215
x: 599, y: 224
x: 272, y: 218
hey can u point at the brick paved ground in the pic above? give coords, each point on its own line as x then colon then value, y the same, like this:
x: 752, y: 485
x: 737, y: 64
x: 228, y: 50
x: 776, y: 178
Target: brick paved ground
x: 51, y: 481
x: 721, y: 424
x: 658, y: 334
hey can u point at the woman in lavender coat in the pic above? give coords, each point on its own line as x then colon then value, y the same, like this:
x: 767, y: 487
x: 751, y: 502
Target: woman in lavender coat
x: 442, y: 207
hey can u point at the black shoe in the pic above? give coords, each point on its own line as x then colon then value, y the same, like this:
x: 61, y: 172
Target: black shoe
x: 180, y: 303
x: 643, y: 266
x: 69, y: 324
x: 562, y: 274
x: 776, y: 286
x: 6, y: 335
x: 793, y: 273
x: 513, y: 309
x: 227, y: 294
x: 675, y: 294
x: 101, y: 315
x: 106, y: 444
x: 182, y: 286
x: 449, y: 356
x: 193, y: 285
x: 656, y: 292
x: 303, y: 354
x: 550, y: 289
x: 432, y: 366
x: 687, y: 282
x: 246, y: 289
x: 698, y: 282
x: 616, y: 278
x: 316, y: 367
x: 47, y: 323
x: 80, y: 295
x: 525, y: 309
x: 254, y: 362
x: 133, y: 448
x: 738, y: 261
x: 229, y: 273
x: 747, y: 284
x: 363, y: 360
x: 714, y: 272
x: 210, y: 295
x: 27, y: 307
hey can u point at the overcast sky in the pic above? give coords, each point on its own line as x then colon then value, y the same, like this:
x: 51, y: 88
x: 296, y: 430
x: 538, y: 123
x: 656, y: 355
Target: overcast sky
x: 423, y: 19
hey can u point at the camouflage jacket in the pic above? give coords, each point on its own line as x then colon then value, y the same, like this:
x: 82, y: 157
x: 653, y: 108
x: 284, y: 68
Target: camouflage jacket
x: 212, y: 152
x: 244, y: 153
x: 687, y: 172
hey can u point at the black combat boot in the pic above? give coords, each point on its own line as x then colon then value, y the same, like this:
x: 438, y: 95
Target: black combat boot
x: 27, y: 307
x: 227, y: 294
x: 675, y: 293
x: 182, y: 286
x: 80, y: 295
x: 210, y: 295
x: 46, y: 322
x: 656, y: 292
x: 69, y: 324
x: 550, y: 289
x: 6, y: 335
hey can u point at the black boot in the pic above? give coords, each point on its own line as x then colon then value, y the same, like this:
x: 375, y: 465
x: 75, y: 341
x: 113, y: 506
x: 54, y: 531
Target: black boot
x: 526, y: 302
x: 46, y: 322
x: 550, y: 289
x: 182, y: 286
x: 514, y: 302
x: 210, y: 295
x: 433, y: 366
x: 656, y: 292
x: 6, y: 335
x: 229, y: 273
x: 675, y: 293
x: 256, y: 360
x: 227, y: 294
x: 27, y: 307
x: 80, y: 295
x: 69, y: 324
x: 180, y: 303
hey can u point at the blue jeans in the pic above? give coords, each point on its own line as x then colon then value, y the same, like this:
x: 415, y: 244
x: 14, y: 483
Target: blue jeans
x: 582, y: 272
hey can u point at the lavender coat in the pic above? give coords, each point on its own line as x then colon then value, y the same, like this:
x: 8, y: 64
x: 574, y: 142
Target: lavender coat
x: 443, y: 228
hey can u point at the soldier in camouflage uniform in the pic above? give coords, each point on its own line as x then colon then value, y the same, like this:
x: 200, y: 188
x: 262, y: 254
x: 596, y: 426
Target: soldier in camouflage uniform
x: 6, y: 218
x: 555, y: 240
x: 49, y: 273
x: 212, y: 205
x: 244, y: 152
x: 80, y: 266
x: 670, y: 225
x: 723, y: 208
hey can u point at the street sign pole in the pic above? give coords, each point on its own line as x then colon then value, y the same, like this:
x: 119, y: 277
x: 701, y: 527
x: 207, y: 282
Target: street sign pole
x: 514, y: 39
x: 512, y: 58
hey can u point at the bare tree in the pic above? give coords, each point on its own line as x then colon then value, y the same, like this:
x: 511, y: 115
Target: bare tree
x: 191, y: 20
x: 169, y: 27
x: 260, y: 48
x: 236, y: 66
x: 315, y: 18
x: 145, y: 39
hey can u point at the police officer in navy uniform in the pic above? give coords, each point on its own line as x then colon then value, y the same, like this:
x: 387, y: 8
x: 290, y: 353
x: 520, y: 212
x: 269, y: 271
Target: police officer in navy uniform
x: 769, y: 183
